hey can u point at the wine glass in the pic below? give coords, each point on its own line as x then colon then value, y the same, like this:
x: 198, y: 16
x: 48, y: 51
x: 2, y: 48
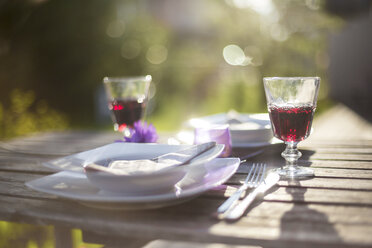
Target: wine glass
x: 127, y: 99
x: 291, y: 102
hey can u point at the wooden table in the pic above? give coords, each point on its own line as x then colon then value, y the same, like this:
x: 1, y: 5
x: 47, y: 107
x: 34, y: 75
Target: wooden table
x: 333, y: 209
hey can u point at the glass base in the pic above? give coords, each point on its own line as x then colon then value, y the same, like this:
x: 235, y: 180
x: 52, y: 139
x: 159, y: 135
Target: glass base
x: 294, y: 172
x: 124, y: 129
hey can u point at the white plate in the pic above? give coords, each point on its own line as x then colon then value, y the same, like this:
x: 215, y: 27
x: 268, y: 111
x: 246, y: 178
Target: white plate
x: 234, y: 119
x: 122, y: 151
x: 187, y: 137
x: 75, y: 186
x: 244, y: 128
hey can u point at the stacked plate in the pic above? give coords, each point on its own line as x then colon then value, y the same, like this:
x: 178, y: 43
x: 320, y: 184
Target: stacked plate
x: 148, y: 190
x: 247, y: 130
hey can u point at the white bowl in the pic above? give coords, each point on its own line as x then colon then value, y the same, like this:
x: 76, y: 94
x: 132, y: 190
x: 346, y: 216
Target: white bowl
x: 148, y: 183
x: 244, y: 128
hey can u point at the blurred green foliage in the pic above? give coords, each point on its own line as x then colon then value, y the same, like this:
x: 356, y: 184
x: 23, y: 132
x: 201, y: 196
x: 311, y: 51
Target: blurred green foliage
x: 25, y: 236
x: 60, y: 51
x: 20, y: 235
x: 26, y: 115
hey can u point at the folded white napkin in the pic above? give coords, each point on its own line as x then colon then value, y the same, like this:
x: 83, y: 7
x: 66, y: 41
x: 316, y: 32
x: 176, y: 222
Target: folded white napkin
x: 144, y: 166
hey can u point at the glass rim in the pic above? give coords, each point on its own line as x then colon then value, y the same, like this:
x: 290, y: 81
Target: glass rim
x: 290, y: 78
x: 146, y: 78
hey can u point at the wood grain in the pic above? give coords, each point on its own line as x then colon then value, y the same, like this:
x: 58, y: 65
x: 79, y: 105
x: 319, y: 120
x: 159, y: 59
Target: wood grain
x: 333, y: 209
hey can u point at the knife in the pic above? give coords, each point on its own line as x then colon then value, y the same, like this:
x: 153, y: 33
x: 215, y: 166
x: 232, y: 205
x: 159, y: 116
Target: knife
x: 239, y: 209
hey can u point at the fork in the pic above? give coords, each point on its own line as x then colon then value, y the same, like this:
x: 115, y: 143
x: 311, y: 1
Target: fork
x: 253, y: 179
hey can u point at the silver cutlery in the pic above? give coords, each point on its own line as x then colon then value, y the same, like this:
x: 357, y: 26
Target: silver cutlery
x: 238, y: 210
x: 253, y: 179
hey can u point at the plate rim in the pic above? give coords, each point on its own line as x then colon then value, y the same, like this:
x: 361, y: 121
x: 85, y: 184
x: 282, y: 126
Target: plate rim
x: 79, y: 168
x: 153, y: 198
x: 222, y: 115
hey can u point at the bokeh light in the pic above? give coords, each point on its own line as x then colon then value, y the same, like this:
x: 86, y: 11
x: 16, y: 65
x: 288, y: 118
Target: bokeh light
x: 278, y: 32
x: 115, y: 29
x: 234, y: 55
x: 131, y: 49
x: 157, y: 54
x: 264, y: 7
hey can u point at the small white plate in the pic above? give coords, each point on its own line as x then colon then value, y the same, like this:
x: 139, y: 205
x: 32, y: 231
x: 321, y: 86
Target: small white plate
x: 244, y: 128
x: 187, y: 137
x: 122, y: 151
x: 75, y: 186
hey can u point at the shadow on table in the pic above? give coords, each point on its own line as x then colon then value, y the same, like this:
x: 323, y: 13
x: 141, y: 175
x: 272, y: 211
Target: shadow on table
x: 304, y: 223
x: 300, y: 222
x: 305, y: 158
x: 272, y: 157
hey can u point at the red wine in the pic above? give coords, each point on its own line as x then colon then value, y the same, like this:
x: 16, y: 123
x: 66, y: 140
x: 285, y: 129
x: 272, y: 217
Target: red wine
x: 291, y: 124
x: 126, y: 112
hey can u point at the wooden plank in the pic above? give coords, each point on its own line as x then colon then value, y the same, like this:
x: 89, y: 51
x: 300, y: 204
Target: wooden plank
x: 79, y: 141
x: 338, y: 143
x: 321, y: 171
x: 60, y: 143
x: 313, y: 154
x: 266, y: 223
x: 323, y: 161
x: 342, y: 173
x: 319, y: 219
x: 18, y: 162
x: 324, y: 168
x: 357, y: 165
x: 308, y: 195
x: 31, y: 163
x: 316, y: 182
x: 341, y: 157
x: 12, y: 184
x: 320, y: 196
x: 341, y: 123
x: 24, y: 164
x: 298, y: 220
x: 17, y: 177
x: 338, y: 150
x: 68, y: 136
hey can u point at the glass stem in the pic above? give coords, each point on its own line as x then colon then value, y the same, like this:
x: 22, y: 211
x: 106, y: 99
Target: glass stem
x: 291, y: 154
